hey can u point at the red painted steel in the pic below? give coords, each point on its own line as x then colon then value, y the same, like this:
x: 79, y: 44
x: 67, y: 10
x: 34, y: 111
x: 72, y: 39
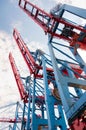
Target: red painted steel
x: 33, y: 67
x: 10, y: 120
x: 47, y: 22
x: 79, y: 123
x: 19, y: 82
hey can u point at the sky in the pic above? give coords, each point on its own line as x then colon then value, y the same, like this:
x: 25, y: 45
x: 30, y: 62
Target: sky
x: 11, y: 16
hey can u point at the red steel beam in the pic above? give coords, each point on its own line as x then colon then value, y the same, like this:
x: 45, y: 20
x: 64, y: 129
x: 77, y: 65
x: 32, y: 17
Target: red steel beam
x: 33, y: 67
x: 79, y: 123
x: 10, y: 120
x: 41, y: 18
x: 19, y: 82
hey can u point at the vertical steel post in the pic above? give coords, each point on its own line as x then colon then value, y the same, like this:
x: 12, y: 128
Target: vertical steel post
x: 82, y: 64
x: 10, y: 127
x: 62, y: 85
x: 49, y: 101
x: 34, y: 122
x: 23, y: 120
x: 62, y: 121
x: 29, y: 109
x: 16, y: 116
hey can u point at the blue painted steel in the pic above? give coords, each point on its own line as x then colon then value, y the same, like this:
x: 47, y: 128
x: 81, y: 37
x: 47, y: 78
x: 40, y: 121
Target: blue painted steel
x: 49, y: 101
x: 61, y: 120
x: 64, y: 53
x: 37, y: 92
x: 78, y: 107
x: 53, y: 121
x: 23, y: 124
x: 34, y: 122
x: 71, y: 107
x: 29, y: 109
x: 38, y: 120
x: 16, y: 116
x: 82, y: 64
x: 71, y: 74
x: 75, y: 10
x: 79, y: 59
x: 63, y: 83
x: 62, y: 86
x: 10, y: 127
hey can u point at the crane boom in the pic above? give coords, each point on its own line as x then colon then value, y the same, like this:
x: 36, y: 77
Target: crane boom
x: 24, y: 50
x: 33, y: 67
x: 45, y: 20
x: 19, y: 82
x: 10, y: 120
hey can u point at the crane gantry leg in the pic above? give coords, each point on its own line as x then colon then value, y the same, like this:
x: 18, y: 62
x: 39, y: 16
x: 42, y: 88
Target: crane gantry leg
x: 71, y: 108
x: 53, y: 121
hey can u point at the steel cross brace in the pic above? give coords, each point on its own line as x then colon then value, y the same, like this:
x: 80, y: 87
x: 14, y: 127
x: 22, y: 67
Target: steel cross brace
x: 53, y: 122
x: 63, y: 83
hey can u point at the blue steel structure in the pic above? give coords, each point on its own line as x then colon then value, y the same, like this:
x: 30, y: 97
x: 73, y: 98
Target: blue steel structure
x: 54, y: 93
x: 41, y: 101
x: 63, y: 28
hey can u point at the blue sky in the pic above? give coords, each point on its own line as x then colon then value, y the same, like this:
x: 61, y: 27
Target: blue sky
x: 12, y: 16
x: 8, y: 14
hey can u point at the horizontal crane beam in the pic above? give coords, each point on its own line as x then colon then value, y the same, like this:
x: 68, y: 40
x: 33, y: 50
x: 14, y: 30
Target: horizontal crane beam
x: 10, y: 120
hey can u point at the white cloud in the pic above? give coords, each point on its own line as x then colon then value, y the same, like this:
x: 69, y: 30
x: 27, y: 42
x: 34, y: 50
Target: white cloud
x: 78, y: 3
x: 7, y: 83
x: 64, y: 1
x: 8, y: 88
x: 33, y: 46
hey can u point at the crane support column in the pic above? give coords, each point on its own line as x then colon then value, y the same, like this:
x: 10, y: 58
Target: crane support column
x: 53, y: 123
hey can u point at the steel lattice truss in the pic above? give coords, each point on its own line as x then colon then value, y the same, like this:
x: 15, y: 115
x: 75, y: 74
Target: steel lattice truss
x: 54, y: 94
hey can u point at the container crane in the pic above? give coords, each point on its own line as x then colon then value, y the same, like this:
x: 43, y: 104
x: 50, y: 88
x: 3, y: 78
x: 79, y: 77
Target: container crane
x: 33, y: 67
x: 50, y: 24
x: 31, y: 63
x: 37, y: 97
